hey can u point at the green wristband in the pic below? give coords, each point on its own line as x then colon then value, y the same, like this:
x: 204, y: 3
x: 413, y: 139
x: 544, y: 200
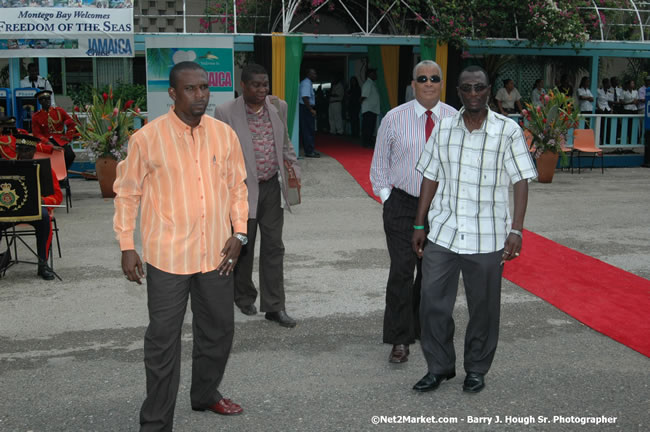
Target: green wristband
x: 418, y: 227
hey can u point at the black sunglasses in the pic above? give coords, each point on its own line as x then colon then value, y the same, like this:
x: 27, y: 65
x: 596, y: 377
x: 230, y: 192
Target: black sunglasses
x: 467, y: 88
x: 423, y: 78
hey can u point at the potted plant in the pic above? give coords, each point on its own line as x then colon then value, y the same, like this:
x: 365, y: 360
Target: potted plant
x: 105, y: 127
x: 548, y: 125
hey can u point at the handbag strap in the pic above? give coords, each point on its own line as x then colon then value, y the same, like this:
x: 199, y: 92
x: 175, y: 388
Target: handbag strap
x: 291, y: 174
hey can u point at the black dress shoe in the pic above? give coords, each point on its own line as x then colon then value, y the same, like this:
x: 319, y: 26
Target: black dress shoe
x: 432, y: 381
x: 45, y: 272
x: 281, y: 318
x: 474, y: 382
x: 5, y: 259
x: 399, y: 354
x: 248, y: 310
x: 312, y: 155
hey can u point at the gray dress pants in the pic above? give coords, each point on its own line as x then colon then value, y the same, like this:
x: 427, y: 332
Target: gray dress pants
x: 482, y: 278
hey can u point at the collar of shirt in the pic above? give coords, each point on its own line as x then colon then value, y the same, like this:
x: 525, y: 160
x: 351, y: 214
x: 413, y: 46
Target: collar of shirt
x: 258, y: 113
x: 179, y: 125
x: 420, y: 110
x: 488, y: 119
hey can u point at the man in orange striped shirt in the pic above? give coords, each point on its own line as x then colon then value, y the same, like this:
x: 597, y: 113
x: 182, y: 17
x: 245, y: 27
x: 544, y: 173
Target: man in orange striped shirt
x: 188, y: 171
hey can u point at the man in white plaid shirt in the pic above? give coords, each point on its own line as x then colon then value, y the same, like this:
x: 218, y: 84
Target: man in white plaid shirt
x: 468, y: 164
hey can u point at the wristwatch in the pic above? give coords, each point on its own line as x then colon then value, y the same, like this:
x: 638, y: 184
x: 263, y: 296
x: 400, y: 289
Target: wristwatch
x: 242, y: 238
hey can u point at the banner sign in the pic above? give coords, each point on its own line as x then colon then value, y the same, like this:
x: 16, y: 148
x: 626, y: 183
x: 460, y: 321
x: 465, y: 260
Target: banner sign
x: 66, y: 28
x: 213, y: 53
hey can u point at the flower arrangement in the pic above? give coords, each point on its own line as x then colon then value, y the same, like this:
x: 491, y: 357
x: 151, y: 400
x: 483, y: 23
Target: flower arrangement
x: 549, y: 123
x: 107, y: 125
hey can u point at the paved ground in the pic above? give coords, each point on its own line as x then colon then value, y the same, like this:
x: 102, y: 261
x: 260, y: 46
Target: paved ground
x: 71, y: 351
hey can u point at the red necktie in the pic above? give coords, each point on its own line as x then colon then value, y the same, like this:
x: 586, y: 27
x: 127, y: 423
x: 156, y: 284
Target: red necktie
x: 428, y: 126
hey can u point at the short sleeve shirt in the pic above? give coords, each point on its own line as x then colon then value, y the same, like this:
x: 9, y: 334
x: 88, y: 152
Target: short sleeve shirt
x: 585, y: 105
x: 470, y: 212
x: 508, y: 99
x: 307, y: 90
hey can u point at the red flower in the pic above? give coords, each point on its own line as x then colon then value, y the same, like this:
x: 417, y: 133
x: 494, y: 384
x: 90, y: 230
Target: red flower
x: 110, y: 128
x: 137, y: 109
x: 76, y: 108
x: 115, y: 112
x: 105, y: 96
x: 128, y: 104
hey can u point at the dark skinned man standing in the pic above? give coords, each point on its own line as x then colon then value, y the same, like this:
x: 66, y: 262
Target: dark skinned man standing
x: 468, y: 166
x: 260, y: 123
x: 54, y: 126
x: 187, y: 171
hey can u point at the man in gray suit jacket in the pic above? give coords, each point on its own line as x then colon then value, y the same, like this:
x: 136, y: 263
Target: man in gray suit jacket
x: 260, y: 123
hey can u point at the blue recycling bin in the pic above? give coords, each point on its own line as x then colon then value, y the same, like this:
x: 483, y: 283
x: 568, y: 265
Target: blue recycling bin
x: 25, y: 105
x: 6, y: 102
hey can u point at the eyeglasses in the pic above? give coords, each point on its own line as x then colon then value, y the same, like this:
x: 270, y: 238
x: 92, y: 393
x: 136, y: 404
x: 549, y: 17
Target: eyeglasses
x: 423, y: 78
x: 467, y: 88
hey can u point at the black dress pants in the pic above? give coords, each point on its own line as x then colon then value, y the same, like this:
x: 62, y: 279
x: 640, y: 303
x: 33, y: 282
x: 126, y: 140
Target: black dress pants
x: 270, y: 220
x: 43, y: 231
x: 369, y: 121
x: 307, y: 129
x: 212, y: 328
x: 401, y: 317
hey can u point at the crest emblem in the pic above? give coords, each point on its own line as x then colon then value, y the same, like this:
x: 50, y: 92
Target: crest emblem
x: 8, y: 196
x: 10, y: 199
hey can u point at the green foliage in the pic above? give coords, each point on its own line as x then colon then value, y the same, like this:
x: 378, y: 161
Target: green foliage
x: 549, y: 123
x: 540, y: 22
x: 83, y: 95
x: 107, y: 124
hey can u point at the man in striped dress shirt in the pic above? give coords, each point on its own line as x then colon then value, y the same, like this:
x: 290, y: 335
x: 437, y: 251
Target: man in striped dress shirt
x: 468, y: 165
x: 187, y: 170
x: 400, y: 141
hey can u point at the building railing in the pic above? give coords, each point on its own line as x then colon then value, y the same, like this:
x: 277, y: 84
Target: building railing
x: 610, y: 130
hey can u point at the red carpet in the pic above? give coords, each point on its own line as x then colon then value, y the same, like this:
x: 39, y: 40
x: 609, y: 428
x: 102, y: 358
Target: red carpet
x: 608, y: 299
x: 355, y: 159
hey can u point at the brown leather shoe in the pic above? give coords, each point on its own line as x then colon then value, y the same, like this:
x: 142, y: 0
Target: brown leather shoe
x: 399, y: 354
x: 223, y: 407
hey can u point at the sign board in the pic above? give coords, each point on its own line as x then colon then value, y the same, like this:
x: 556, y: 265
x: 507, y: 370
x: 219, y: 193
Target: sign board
x: 66, y: 28
x: 213, y: 53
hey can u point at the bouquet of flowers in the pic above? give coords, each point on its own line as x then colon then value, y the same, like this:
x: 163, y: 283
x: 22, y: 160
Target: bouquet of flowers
x: 549, y: 122
x: 107, y: 125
